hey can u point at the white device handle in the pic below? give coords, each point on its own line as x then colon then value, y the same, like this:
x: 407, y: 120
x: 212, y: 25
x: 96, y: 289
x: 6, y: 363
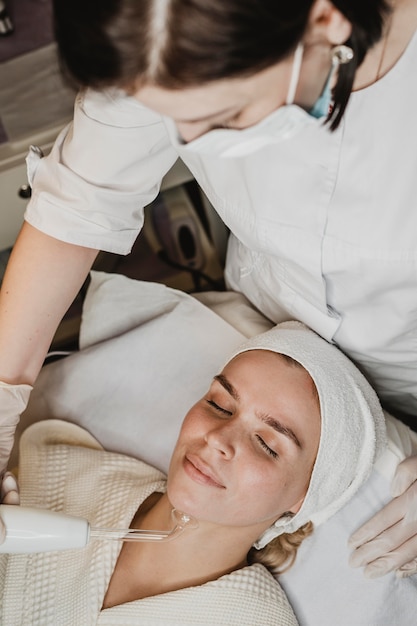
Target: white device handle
x: 40, y: 530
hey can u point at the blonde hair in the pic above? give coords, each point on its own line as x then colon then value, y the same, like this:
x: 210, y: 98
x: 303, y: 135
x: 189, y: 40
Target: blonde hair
x: 280, y: 553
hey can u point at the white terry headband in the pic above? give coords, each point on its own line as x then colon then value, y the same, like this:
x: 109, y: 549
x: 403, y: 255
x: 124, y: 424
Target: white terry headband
x: 352, y: 423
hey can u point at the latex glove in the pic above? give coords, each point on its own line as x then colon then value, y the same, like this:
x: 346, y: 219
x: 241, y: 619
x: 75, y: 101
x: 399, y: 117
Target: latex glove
x: 13, y: 401
x: 9, y: 491
x: 388, y: 541
x: 9, y: 494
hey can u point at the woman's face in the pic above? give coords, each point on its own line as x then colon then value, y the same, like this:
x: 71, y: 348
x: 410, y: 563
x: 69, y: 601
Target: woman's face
x: 239, y: 102
x: 246, y: 450
x: 235, y: 103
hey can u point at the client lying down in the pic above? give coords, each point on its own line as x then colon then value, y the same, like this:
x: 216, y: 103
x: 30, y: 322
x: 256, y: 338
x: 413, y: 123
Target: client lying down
x: 285, y: 435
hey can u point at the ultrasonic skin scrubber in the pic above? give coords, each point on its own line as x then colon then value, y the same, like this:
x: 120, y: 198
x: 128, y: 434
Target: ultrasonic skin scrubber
x: 40, y: 530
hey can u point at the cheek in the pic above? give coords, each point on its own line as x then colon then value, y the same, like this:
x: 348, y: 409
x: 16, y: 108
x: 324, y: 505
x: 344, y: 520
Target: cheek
x: 190, y: 436
x: 259, y: 112
x: 192, y: 424
x: 274, y: 493
x: 262, y: 487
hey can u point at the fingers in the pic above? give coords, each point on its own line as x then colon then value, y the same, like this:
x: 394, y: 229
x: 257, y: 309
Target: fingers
x: 12, y: 497
x: 9, y: 490
x: 405, y: 475
x: 378, y: 559
x: 395, y: 560
x: 408, y: 569
x: 388, y: 541
x: 403, y: 508
x: 9, y: 494
x: 383, y: 520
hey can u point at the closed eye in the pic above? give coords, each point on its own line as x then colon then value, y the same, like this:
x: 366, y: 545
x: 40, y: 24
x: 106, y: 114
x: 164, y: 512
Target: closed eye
x: 266, y: 447
x: 218, y: 408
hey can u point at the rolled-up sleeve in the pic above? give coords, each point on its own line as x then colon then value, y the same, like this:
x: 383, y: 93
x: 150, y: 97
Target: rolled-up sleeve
x: 104, y: 167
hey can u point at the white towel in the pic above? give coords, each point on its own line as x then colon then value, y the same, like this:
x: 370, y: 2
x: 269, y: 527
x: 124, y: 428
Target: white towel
x: 352, y: 423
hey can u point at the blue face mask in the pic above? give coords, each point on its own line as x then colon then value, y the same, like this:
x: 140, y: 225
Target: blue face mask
x: 321, y: 107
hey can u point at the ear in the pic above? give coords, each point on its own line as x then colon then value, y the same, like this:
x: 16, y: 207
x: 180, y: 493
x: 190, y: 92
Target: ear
x: 327, y: 21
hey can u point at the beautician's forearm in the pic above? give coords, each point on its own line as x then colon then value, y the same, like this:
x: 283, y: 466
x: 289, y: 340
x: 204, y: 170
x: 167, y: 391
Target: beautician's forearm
x: 42, y: 279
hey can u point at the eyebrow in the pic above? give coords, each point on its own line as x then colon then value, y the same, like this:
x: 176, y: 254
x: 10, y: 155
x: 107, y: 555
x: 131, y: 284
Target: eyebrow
x: 280, y: 428
x: 227, y: 385
x: 266, y: 419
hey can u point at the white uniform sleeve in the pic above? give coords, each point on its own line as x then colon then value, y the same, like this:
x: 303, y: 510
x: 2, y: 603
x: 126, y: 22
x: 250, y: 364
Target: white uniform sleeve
x: 103, y: 169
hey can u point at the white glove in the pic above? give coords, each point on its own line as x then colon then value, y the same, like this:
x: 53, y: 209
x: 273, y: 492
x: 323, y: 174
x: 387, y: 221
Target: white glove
x: 388, y: 541
x: 13, y: 401
x: 9, y: 491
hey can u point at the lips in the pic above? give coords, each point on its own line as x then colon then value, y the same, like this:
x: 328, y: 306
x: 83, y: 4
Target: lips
x: 200, y: 472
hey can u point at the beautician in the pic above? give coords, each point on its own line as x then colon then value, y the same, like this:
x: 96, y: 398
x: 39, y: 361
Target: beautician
x: 298, y: 121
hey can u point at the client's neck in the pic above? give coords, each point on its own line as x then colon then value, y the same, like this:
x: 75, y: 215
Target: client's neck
x: 209, y: 550
x: 196, y: 556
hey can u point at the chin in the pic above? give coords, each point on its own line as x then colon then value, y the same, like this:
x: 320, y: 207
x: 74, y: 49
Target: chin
x: 181, y: 501
x: 185, y: 503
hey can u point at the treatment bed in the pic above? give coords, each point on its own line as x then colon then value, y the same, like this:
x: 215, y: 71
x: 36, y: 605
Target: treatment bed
x: 146, y: 354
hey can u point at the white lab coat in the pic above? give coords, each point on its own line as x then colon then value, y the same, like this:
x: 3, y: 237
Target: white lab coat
x: 324, y: 225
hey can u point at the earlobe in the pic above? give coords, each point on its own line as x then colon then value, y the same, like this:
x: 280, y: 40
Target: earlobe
x: 331, y: 22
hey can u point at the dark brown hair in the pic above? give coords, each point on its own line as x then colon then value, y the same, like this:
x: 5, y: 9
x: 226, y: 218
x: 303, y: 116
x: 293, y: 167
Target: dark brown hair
x: 183, y: 43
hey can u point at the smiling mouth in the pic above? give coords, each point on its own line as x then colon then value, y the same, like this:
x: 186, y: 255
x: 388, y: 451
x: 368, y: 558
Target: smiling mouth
x: 200, y: 473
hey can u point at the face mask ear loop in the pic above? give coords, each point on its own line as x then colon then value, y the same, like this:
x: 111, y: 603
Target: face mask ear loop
x: 295, y: 73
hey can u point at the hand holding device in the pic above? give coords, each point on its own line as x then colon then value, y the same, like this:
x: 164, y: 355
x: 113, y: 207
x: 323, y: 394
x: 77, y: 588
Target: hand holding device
x: 31, y: 530
x: 13, y: 401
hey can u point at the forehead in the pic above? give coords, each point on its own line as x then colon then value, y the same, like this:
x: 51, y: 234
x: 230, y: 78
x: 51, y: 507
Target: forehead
x: 196, y: 104
x: 277, y: 374
x: 278, y: 387
x: 273, y: 362
x: 210, y: 98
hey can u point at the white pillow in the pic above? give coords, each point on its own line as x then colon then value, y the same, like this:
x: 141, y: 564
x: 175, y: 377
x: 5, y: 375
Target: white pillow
x: 149, y: 353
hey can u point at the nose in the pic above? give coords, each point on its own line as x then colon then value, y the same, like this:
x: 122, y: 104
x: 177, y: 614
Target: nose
x: 223, y: 439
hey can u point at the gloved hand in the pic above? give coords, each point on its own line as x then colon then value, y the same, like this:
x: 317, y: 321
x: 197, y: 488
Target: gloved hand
x: 388, y: 541
x: 9, y: 490
x: 13, y: 401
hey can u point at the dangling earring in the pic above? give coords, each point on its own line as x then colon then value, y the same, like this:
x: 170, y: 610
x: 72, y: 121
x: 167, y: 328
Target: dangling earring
x: 341, y: 55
